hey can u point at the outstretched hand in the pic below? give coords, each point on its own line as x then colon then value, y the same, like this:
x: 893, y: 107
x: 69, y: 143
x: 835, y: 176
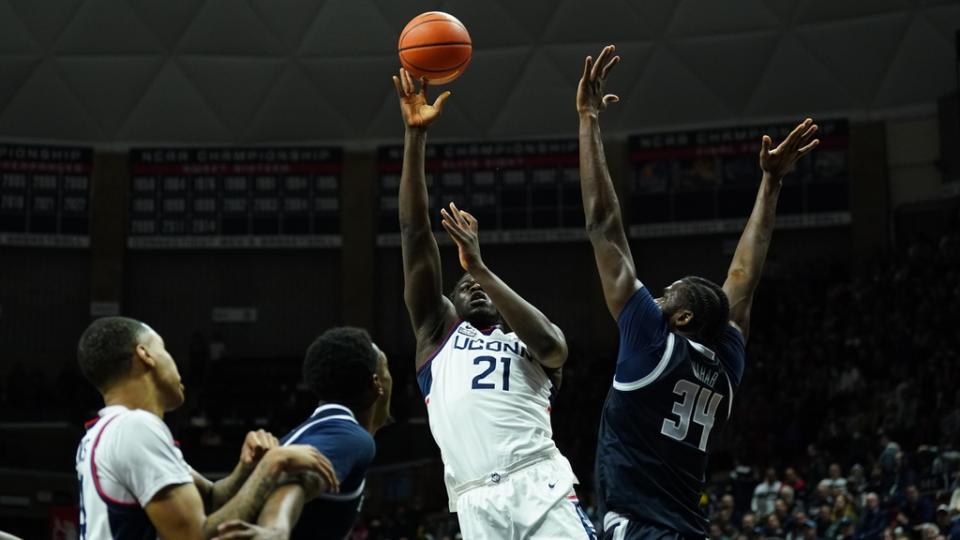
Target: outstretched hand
x: 590, y: 96
x: 417, y: 113
x: 781, y: 160
x: 462, y: 228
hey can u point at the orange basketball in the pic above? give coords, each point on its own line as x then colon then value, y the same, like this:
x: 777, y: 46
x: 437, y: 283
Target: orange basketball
x: 435, y: 45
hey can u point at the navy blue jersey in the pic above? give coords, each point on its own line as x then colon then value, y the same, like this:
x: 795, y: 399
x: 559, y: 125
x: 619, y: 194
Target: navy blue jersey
x: 333, y: 430
x: 671, y: 398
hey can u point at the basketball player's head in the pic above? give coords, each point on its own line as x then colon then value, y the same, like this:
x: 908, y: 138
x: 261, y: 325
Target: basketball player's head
x: 344, y: 366
x: 472, y: 303
x: 696, y: 308
x: 115, y: 351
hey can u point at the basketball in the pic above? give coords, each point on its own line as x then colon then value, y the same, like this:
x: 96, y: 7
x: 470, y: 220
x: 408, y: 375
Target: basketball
x: 435, y: 45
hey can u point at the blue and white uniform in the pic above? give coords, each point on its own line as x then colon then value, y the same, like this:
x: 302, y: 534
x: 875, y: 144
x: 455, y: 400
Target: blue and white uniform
x: 489, y: 404
x: 671, y: 397
x: 126, y: 457
x: 333, y: 430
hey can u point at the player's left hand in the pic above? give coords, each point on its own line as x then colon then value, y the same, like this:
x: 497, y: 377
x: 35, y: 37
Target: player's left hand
x: 236, y: 529
x: 462, y: 228
x: 255, y: 445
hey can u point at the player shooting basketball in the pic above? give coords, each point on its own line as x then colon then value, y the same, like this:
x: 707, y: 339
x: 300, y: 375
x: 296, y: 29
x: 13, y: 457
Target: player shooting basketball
x: 487, y: 391
x: 681, y: 355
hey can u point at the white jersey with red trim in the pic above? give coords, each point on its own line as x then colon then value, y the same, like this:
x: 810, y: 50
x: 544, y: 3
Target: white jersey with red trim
x: 489, y: 404
x: 124, y: 460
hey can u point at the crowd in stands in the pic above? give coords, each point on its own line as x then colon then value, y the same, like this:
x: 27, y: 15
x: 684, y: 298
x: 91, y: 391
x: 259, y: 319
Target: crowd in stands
x: 846, y: 425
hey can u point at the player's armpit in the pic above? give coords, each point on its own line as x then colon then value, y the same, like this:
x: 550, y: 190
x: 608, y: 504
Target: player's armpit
x: 177, y: 512
x: 205, y: 488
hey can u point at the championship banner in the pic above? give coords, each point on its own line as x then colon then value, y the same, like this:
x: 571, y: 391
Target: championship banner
x: 525, y: 191
x: 705, y: 181
x: 44, y: 195
x: 235, y: 198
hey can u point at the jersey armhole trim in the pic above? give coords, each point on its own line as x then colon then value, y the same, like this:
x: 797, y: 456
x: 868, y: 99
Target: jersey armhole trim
x: 93, y: 469
x: 730, y: 401
x: 343, y: 496
x: 653, y: 375
x: 453, y: 327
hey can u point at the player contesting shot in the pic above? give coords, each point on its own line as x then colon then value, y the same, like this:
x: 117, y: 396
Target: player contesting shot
x: 134, y: 482
x: 681, y: 355
x: 487, y: 391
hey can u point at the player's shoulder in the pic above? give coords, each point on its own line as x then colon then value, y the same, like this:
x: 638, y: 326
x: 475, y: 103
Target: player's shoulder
x: 331, y: 426
x: 138, y: 422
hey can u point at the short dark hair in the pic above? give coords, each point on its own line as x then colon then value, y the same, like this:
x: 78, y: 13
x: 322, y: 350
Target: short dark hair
x: 453, y: 291
x: 710, y: 307
x: 339, y: 364
x: 106, y: 349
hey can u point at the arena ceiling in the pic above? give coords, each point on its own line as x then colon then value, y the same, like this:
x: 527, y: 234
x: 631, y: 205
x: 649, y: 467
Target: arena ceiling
x: 129, y: 72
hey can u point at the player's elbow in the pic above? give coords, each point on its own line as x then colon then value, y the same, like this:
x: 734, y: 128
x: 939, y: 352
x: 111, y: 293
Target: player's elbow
x: 553, y: 355
x: 601, y: 227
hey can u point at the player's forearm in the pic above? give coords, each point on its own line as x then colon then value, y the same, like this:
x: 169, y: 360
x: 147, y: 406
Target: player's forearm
x: 600, y: 204
x: 224, y: 489
x: 544, y: 340
x: 414, y: 201
x: 249, y: 500
x: 283, y: 508
x: 754, y: 243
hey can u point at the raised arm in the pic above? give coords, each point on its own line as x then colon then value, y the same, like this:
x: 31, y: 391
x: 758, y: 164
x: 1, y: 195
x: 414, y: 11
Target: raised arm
x: 618, y: 275
x: 747, y: 265
x: 542, y: 338
x: 430, y: 312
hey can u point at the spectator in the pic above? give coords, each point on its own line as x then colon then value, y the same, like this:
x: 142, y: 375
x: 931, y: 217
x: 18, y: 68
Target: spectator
x: 843, y: 508
x: 857, y: 481
x: 943, y: 521
x: 808, y: 530
x: 765, y: 493
x: 842, y: 530
x: 792, y: 479
x: 773, y: 528
x: 717, y: 533
x: 824, y: 519
x: 748, y: 524
x: 836, y: 483
x: 915, y: 510
x: 874, y: 519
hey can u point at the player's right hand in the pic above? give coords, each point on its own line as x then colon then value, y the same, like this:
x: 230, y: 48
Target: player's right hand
x: 298, y: 458
x: 417, y: 113
x: 590, y: 97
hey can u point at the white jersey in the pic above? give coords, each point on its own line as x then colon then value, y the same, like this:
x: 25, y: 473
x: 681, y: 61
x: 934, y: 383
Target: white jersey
x: 488, y: 401
x: 126, y: 457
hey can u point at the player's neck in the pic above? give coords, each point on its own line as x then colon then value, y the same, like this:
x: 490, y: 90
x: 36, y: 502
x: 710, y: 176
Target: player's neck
x: 134, y: 395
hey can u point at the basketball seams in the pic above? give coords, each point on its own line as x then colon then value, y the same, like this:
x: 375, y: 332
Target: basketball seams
x: 439, y: 44
x: 445, y: 70
x: 407, y: 62
x: 438, y: 19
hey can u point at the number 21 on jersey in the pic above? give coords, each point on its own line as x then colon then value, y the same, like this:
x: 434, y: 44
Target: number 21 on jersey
x: 696, y: 402
x: 480, y: 383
